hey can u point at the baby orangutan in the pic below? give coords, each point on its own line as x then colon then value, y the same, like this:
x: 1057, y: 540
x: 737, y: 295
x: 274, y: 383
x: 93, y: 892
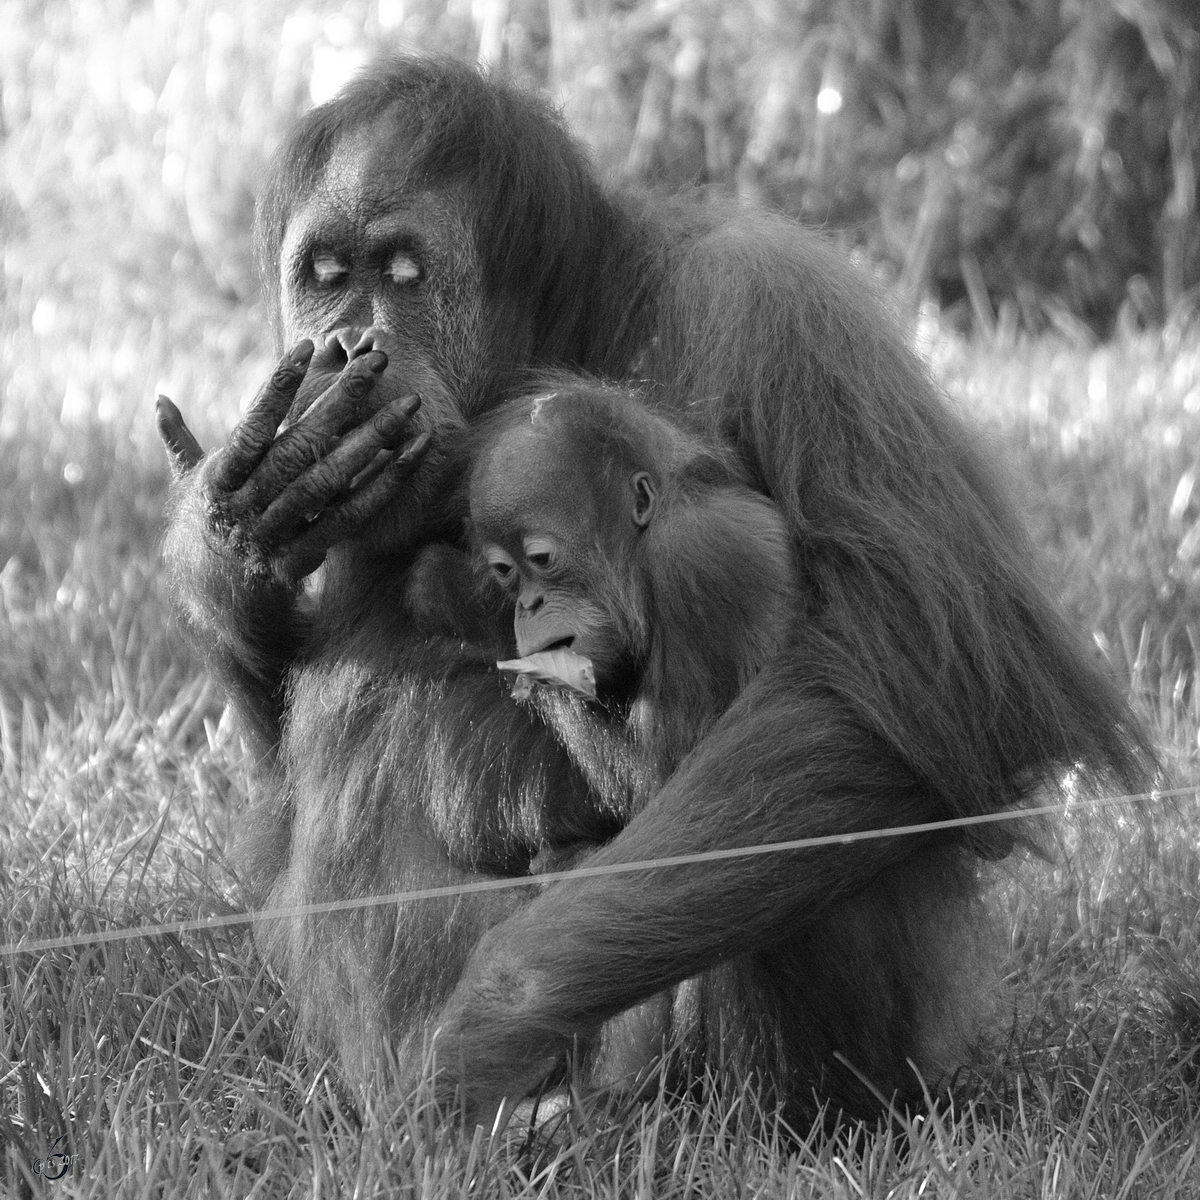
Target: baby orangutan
x: 650, y: 583
x: 646, y: 576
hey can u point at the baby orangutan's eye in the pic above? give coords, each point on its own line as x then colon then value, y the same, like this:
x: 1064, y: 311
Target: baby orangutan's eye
x: 540, y: 552
x: 500, y: 565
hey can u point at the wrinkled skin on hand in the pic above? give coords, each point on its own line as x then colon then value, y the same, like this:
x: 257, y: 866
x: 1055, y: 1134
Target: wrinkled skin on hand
x: 314, y: 460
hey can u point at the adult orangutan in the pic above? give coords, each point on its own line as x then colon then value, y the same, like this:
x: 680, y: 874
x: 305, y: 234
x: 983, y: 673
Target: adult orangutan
x: 452, y: 232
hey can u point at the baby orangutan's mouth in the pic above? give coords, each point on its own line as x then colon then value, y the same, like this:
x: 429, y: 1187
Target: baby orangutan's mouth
x: 554, y: 665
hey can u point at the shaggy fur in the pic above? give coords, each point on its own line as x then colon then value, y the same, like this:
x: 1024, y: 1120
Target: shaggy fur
x: 933, y: 678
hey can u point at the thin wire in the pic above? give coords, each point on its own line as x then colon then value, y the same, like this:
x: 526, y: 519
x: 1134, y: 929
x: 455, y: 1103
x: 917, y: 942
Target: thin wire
x: 623, y: 868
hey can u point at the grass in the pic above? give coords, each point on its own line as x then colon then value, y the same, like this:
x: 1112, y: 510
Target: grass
x: 167, y: 1062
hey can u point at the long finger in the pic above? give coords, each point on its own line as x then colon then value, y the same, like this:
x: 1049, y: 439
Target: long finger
x: 284, y: 476
x: 334, y: 474
x: 184, y: 451
x: 388, y: 439
x: 254, y: 434
x: 357, y: 511
x: 342, y: 400
x: 373, y: 490
x: 396, y: 466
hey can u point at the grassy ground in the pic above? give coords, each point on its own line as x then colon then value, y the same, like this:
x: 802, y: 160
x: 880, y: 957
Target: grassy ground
x: 165, y: 1063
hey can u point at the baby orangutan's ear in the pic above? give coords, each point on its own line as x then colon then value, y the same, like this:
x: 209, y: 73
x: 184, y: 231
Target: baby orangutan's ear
x: 645, y: 498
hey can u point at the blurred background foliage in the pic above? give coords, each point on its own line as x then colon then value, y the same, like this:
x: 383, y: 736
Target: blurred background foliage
x: 1008, y: 165
x: 1023, y: 162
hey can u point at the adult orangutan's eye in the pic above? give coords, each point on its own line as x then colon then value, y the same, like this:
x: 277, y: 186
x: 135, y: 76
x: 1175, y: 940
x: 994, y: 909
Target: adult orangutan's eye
x: 329, y: 269
x: 404, y: 270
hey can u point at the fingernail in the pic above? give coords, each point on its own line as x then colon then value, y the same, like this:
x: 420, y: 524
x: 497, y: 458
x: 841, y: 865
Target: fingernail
x: 300, y: 354
x: 376, y: 361
x: 417, y: 446
x: 391, y: 421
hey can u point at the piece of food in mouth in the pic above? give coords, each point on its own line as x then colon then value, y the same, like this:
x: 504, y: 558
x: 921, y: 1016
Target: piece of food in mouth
x: 562, y: 668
